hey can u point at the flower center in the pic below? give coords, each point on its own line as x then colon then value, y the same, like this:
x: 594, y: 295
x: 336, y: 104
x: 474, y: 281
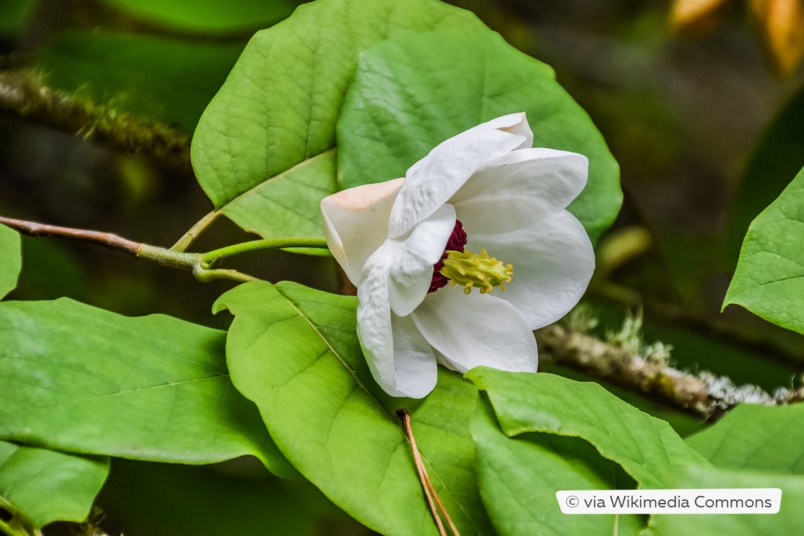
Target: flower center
x: 459, y: 266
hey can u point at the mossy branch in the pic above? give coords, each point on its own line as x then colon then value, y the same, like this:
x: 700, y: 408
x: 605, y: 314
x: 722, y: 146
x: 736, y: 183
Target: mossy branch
x: 24, y: 94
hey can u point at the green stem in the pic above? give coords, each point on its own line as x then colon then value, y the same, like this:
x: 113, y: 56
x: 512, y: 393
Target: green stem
x: 211, y: 257
x: 192, y: 233
x: 168, y: 257
x: 190, y: 261
x: 204, y: 275
x: 8, y: 530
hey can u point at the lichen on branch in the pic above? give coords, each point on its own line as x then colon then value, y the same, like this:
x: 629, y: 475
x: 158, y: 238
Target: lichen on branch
x: 703, y: 394
x: 25, y: 94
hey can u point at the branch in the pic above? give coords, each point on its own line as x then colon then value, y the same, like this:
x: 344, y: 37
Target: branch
x: 704, y: 394
x: 202, y: 270
x: 24, y: 94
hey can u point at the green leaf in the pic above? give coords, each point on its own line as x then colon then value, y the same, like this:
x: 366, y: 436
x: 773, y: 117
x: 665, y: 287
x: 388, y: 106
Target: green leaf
x: 755, y: 437
x: 519, y: 476
x: 278, y: 108
x: 769, y: 280
x: 294, y: 352
x: 647, y: 448
x: 81, y: 379
x: 208, y: 16
x: 287, y: 205
x: 405, y: 99
x: 789, y: 520
x: 11, y: 256
x: 155, y: 77
x: 45, y: 486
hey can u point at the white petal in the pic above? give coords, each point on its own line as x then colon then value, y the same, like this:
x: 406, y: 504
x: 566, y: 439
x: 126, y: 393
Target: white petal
x: 433, y: 180
x: 399, y: 358
x: 471, y: 330
x: 553, y: 262
x: 412, y: 260
x: 415, y: 365
x: 516, y: 123
x: 374, y: 322
x: 518, y: 188
x: 356, y: 223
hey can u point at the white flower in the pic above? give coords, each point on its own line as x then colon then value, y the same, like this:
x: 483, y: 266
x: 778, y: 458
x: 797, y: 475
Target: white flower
x: 510, y: 199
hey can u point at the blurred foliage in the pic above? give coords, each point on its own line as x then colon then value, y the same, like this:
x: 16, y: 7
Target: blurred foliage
x: 238, y: 497
x: 167, y: 79
x: 207, y: 16
x: 776, y: 159
x: 13, y: 14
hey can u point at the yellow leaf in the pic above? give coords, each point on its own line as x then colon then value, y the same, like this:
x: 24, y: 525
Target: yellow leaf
x: 781, y: 27
x: 695, y: 16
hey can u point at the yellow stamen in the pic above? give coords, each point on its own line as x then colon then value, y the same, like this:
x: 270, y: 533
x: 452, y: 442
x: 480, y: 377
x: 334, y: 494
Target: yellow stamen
x: 471, y: 270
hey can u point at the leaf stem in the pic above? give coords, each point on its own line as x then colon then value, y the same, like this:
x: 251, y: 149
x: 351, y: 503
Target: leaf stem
x: 192, y: 233
x: 213, y: 256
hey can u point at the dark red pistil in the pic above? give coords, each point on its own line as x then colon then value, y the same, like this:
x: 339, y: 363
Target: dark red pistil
x: 456, y: 242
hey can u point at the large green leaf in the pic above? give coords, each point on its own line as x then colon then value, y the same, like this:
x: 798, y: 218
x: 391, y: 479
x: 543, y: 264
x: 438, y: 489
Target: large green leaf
x: 769, y: 280
x: 85, y: 380
x: 11, y: 257
x: 154, y: 77
x: 405, y: 99
x: 208, y: 16
x: 789, y: 520
x: 756, y: 437
x: 294, y: 352
x: 519, y: 476
x: 647, y: 448
x: 278, y: 108
x: 45, y: 486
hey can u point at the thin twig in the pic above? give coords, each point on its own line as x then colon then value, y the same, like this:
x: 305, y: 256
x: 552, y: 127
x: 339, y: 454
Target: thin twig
x: 24, y: 94
x: 424, y: 478
x: 174, y: 259
x: 109, y: 240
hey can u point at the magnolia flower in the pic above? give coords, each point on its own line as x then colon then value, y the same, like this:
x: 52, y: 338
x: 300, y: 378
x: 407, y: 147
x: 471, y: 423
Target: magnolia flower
x: 423, y: 253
